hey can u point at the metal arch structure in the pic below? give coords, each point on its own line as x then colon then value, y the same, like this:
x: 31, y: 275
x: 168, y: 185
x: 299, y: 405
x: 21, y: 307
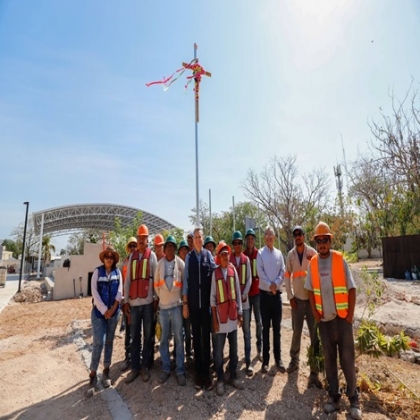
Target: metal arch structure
x: 67, y: 219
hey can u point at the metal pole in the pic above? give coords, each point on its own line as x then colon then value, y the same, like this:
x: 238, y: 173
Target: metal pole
x: 23, y: 245
x: 197, y: 199
x: 259, y: 225
x: 40, y: 247
x: 211, y: 226
x: 233, y: 210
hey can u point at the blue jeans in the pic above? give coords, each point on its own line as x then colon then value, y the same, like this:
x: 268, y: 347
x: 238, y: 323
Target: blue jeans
x: 172, y: 319
x: 142, y: 314
x: 338, y: 335
x: 220, y: 339
x: 254, y: 305
x: 246, y: 329
x: 103, y: 332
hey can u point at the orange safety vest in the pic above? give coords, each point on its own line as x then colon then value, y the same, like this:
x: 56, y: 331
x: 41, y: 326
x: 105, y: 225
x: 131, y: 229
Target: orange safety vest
x: 140, y: 275
x: 241, y: 269
x: 338, y: 276
x: 124, y: 267
x: 227, y: 306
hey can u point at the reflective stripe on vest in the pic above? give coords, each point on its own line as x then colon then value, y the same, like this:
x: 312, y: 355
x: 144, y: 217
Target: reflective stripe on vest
x: 226, y: 295
x: 140, y: 275
x: 338, y: 277
x: 241, y: 269
x: 254, y: 268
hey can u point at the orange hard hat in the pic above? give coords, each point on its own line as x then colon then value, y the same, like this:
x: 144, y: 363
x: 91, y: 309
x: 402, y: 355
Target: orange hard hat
x: 322, y: 229
x: 222, y: 245
x: 142, y: 231
x: 159, y: 239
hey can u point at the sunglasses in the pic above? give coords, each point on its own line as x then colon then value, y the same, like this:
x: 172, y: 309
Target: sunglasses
x: 297, y: 235
x: 108, y: 257
x: 132, y: 246
x: 322, y: 241
x: 236, y: 243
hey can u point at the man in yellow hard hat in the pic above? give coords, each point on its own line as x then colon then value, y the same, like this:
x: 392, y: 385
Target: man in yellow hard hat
x: 332, y: 293
x: 138, y: 303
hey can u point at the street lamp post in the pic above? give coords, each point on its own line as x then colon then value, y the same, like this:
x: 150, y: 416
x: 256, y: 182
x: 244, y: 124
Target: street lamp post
x: 23, y: 245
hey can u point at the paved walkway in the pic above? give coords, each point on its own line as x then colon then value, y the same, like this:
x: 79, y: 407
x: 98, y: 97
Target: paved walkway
x: 9, y: 290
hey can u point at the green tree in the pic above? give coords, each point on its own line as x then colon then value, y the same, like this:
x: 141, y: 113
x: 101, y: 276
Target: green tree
x: 120, y: 234
x: 177, y: 233
x: 11, y: 246
x: 222, y: 223
x: 76, y: 241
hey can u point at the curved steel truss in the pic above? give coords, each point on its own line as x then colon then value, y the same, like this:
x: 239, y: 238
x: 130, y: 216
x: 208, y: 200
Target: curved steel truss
x: 63, y: 220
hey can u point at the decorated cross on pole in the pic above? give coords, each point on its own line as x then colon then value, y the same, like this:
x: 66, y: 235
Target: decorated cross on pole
x: 197, y: 72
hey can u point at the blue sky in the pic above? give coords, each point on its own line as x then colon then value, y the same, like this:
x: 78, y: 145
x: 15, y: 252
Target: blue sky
x: 78, y: 124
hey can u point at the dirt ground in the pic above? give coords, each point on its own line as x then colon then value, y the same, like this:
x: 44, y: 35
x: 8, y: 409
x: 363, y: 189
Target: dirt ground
x: 44, y: 376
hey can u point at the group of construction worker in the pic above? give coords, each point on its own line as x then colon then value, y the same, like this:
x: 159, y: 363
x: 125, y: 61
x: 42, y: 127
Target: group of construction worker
x: 204, y: 292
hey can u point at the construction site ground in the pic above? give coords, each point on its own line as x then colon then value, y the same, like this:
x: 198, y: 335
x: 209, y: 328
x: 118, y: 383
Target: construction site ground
x: 44, y: 352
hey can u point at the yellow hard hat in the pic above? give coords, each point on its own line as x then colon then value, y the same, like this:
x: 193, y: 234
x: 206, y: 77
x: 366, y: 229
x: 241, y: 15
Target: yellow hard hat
x: 322, y: 229
x: 130, y: 241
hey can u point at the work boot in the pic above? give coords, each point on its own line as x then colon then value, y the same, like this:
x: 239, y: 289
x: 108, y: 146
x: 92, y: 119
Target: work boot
x: 233, y: 381
x: 145, y: 374
x: 93, y: 380
x: 355, y: 411
x: 292, y: 367
x: 163, y: 377
x: 220, y: 388
x: 182, y: 380
x: 132, y: 375
x: 332, y: 405
x: 125, y: 365
x: 208, y: 383
x: 249, y: 370
x: 280, y: 366
x: 313, y: 381
x: 106, y: 381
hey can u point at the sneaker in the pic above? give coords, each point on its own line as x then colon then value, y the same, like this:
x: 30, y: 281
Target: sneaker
x: 355, y: 411
x: 220, y: 388
x: 235, y: 383
x: 264, y: 369
x: 332, y: 405
x: 313, y: 381
x: 249, y: 371
x: 106, y: 381
x: 208, y: 383
x: 281, y: 367
x: 163, y: 377
x: 182, y: 381
x: 198, y: 382
x: 292, y: 368
x: 145, y: 374
x: 132, y: 375
x: 125, y: 365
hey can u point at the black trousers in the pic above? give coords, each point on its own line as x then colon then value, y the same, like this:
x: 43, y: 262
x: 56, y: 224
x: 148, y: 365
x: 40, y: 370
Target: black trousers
x: 201, y: 329
x: 271, y: 312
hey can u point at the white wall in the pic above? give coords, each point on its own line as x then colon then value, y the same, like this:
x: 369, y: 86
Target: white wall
x: 80, y: 266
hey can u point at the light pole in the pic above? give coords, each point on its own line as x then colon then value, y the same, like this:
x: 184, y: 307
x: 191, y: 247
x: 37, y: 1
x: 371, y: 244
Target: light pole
x: 23, y: 245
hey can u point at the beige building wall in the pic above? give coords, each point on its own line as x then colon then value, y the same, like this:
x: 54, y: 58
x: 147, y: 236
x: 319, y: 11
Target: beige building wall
x: 80, y: 266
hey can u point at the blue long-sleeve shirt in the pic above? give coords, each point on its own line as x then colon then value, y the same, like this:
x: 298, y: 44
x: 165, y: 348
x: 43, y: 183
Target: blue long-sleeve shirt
x: 270, y: 268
